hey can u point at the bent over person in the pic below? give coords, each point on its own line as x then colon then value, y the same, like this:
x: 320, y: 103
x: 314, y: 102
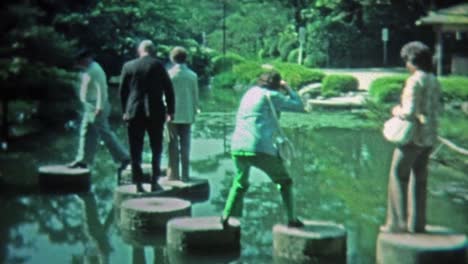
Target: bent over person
x: 144, y: 82
x: 252, y: 143
x: 95, y: 124
x: 185, y: 83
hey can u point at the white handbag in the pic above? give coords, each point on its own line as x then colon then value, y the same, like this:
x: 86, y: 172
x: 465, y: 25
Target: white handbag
x: 285, y: 147
x: 398, y: 131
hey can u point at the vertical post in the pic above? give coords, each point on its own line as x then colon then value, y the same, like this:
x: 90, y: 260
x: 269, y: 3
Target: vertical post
x: 302, y: 33
x: 5, y: 128
x: 439, y: 51
x: 224, y: 27
x: 385, y: 48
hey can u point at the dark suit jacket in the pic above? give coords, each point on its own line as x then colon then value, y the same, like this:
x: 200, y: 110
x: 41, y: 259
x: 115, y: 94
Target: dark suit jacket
x: 143, y: 83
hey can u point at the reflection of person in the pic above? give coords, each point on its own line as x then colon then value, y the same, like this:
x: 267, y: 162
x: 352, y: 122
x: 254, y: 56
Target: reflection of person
x: 95, y: 231
x: 95, y: 124
x: 144, y: 81
x: 252, y: 143
x: 420, y: 103
x: 185, y: 83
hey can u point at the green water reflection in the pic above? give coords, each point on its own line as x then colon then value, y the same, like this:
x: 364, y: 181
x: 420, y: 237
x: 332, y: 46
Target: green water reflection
x: 340, y: 175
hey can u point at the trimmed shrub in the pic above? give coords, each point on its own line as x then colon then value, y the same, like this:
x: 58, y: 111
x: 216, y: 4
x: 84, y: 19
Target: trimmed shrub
x: 293, y: 56
x: 225, y: 63
x: 286, y: 47
x: 316, y: 59
x: 298, y: 75
x: 335, y: 84
x: 225, y: 80
x: 387, y: 89
x: 247, y: 72
x: 454, y: 87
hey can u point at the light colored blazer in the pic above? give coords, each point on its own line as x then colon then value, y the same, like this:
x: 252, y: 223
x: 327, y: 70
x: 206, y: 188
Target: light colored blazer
x: 185, y: 83
x: 255, y: 125
x: 421, y: 101
x: 93, y: 89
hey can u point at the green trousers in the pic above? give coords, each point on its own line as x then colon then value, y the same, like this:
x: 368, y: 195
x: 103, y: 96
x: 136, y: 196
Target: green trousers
x: 269, y: 164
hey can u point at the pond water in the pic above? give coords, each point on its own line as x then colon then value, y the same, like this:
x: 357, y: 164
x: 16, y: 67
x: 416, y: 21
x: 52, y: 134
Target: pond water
x: 340, y: 175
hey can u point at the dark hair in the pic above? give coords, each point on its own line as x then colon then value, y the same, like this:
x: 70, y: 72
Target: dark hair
x: 83, y: 54
x: 179, y: 55
x: 270, y: 80
x: 418, y: 54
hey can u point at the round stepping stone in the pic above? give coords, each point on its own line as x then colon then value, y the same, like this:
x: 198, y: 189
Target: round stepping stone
x: 203, y: 234
x: 316, y: 242
x: 194, y: 186
x: 437, y: 245
x: 126, y: 176
x: 148, y: 215
x: 126, y: 192
x: 60, y: 178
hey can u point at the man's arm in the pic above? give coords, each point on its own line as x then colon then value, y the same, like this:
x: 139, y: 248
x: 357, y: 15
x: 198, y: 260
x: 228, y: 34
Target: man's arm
x: 168, y: 91
x: 196, y: 95
x: 124, y: 89
x: 85, y: 79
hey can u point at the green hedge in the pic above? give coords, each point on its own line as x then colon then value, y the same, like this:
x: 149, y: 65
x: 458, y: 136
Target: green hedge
x: 247, y: 72
x: 387, y: 89
x: 335, y: 84
x: 225, y: 80
x: 223, y: 63
x: 454, y: 87
x: 298, y: 75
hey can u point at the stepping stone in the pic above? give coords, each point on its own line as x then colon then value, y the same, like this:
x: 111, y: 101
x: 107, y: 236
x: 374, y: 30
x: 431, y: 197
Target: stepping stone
x: 193, y: 186
x: 316, y: 242
x: 150, y: 215
x: 203, y: 234
x: 127, y: 172
x: 437, y: 245
x: 61, y: 179
x: 126, y: 192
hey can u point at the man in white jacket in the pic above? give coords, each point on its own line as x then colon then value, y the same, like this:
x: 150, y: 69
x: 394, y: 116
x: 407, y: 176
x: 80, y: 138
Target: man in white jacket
x: 95, y: 124
x: 185, y: 83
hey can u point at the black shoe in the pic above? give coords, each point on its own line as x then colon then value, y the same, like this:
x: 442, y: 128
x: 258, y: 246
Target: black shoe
x: 121, y: 168
x: 139, y: 187
x: 155, y: 187
x: 295, y: 223
x: 224, y: 221
x: 77, y: 165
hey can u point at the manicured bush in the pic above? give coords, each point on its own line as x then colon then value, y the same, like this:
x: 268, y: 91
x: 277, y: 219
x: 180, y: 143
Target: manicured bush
x: 286, y: 47
x: 293, y: 56
x: 247, y: 72
x: 315, y: 60
x: 387, y: 89
x: 225, y: 80
x: 335, y: 84
x: 221, y: 100
x: 298, y: 75
x: 454, y: 87
x: 223, y: 63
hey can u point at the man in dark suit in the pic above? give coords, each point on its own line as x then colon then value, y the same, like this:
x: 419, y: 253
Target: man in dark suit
x: 144, y: 81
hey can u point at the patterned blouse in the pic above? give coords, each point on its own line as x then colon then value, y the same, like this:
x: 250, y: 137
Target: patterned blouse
x: 421, y: 102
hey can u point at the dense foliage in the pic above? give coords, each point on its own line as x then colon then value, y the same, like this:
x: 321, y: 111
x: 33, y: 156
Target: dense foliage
x: 388, y: 89
x: 41, y: 36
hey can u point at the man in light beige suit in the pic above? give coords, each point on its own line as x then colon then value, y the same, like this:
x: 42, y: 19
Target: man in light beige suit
x: 185, y: 83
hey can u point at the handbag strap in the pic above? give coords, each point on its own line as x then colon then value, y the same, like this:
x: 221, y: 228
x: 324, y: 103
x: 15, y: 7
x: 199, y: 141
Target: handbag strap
x: 275, y: 115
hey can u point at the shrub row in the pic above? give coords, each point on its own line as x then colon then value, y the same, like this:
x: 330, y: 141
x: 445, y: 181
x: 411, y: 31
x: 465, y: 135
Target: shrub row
x: 388, y: 89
